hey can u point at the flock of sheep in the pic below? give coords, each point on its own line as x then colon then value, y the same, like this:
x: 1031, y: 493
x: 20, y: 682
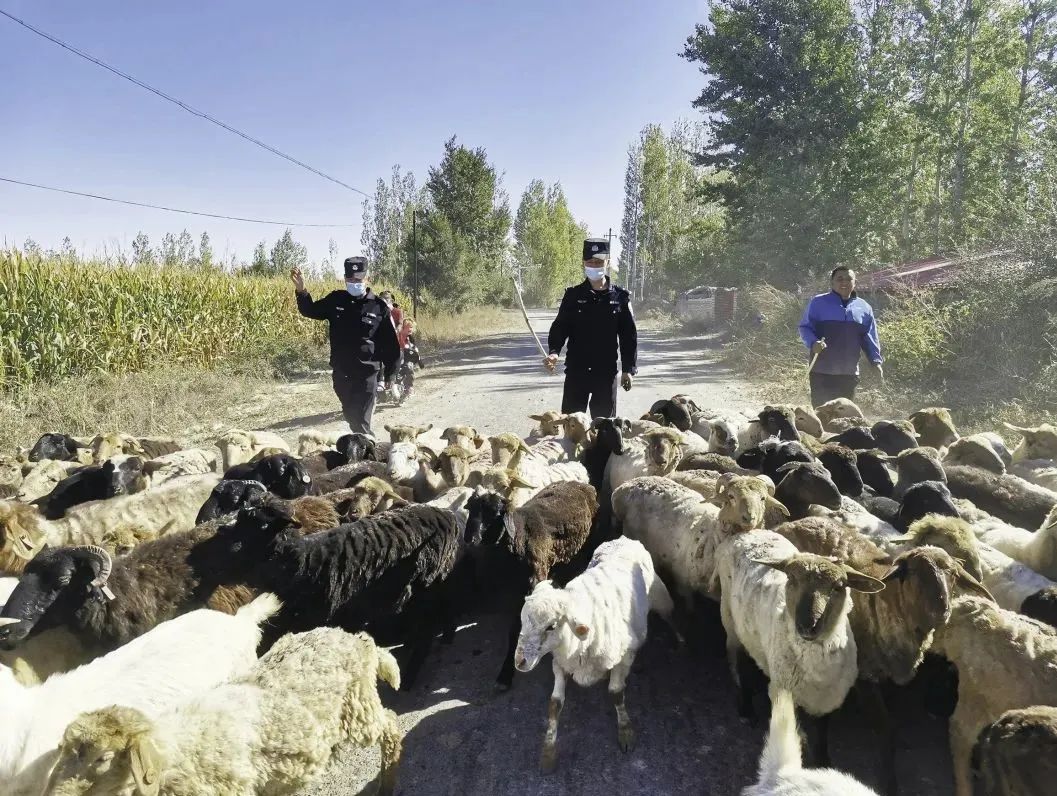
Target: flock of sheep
x: 207, y: 622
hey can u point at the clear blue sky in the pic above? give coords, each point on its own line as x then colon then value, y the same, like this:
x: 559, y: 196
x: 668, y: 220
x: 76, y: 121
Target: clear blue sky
x: 554, y: 89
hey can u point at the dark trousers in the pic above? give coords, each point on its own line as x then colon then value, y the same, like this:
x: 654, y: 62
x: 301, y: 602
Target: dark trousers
x: 827, y: 386
x: 358, y: 394
x: 583, y: 390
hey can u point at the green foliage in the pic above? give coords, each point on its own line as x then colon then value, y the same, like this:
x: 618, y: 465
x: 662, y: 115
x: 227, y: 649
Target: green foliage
x: 549, y: 243
x: 287, y: 253
x: 387, y: 227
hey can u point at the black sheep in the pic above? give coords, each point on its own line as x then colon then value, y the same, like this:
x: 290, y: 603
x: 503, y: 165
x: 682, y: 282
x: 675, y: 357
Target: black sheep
x: 229, y: 496
x: 513, y: 550
x: 55, y: 446
x: 1007, y: 497
x: 875, y: 474
x: 113, y: 477
x: 916, y: 466
x: 377, y: 573
x: 358, y: 447
x: 803, y: 484
x: 894, y: 438
x: 346, y: 476
x: 842, y: 465
x: 928, y: 497
x: 859, y: 439
x: 772, y: 454
x: 675, y: 413
x: 779, y: 421
x: 606, y: 438
x: 282, y: 474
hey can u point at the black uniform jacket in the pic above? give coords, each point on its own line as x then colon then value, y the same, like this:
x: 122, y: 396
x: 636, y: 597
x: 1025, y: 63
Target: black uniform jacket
x: 362, y: 335
x: 593, y: 321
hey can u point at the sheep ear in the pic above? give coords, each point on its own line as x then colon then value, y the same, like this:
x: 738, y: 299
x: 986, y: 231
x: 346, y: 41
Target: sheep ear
x: 508, y: 526
x: 1018, y: 429
x: 521, y: 446
x: 971, y: 584
x: 517, y: 481
x: 862, y: 583
x: 777, y: 505
x: 901, y: 539
x: 537, y: 418
x: 145, y: 761
x: 897, y: 572
x: 773, y: 563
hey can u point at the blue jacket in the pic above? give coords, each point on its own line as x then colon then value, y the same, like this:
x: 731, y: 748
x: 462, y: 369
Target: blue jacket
x: 848, y: 326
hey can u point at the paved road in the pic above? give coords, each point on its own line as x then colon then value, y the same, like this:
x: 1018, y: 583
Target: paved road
x: 464, y: 739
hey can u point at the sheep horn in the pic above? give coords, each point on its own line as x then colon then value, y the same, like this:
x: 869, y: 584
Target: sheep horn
x: 8, y: 620
x: 106, y: 563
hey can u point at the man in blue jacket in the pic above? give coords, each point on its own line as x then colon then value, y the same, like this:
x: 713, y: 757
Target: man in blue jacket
x: 835, y: 327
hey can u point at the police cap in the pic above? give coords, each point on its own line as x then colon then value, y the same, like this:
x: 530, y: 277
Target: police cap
x: 355, y: 266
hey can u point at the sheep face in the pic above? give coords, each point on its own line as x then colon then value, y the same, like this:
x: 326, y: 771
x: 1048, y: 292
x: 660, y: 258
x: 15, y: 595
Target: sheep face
x: 838, y: 407
x: 546, y: 615
x: 928, y: 497
x: 857, y: 438
x: 674, y: 413
x: 950, y: 534
x: 920, y: 464
x: 816, y: 592
x: 779, y: 421
x: 282, y: 475
x: 106, y: 446
x: 807, y: 483
x: 21, y: 535
x: 1042, y: 606
x: 662, y: 448
x: 807, y: 421
x: 975, y: 452
x: 229, y: 496
x: 125, y: 475
x: 608, y: 434
x: 488, y: 519
x: 465, y: 437
x: 55, y: 446
x: 722, y: 437
x: 873, y: 468
x: 931, y: 580
x: 238, y: 544
x: 842, y: 465
x: 372, y: 495
x: 236, y: 447
x: 10, y: 472
x: 894, y: 438
x: 504, y: 446
x: 575, y: 425
x: 743, y: 502
x: 107, y: 751
x: 935, y: 426
x: 357, y: 448
x: 1038, y: 443
x: 54, y: 585
x: 550, y: 422
x: 1017, y: 753
x: 42, y: 479
x: 454, y: 463
x: 406, y: 433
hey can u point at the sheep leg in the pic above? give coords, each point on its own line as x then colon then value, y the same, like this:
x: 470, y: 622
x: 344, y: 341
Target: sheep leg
x: 872, y: 703
x: 391, y: 745
x: 817, y: 730
x: 961, y: 754
x: 506, y: 673
x: 549, y: 756
x: 618, y: 676
x: 742, y: 674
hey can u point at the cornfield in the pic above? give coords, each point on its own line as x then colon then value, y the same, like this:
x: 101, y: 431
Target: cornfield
x: 68, y: 319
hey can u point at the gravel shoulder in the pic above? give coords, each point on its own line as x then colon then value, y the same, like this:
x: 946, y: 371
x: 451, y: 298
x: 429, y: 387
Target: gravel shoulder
x: 462, y: 738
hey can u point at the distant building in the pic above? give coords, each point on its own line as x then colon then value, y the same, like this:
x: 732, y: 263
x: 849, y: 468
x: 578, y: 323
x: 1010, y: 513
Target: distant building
x: 932, y: 272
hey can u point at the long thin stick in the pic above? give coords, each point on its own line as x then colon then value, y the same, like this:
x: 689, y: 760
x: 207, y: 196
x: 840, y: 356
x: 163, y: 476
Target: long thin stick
x: 524, y: 312
x: 814, y: 359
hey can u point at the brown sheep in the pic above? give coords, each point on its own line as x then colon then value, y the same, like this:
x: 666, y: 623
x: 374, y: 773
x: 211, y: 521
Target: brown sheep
x: 406, y: 433
x: 935, y: 426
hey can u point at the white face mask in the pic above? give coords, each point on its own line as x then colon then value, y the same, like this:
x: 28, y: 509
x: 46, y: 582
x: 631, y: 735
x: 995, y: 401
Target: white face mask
x: 356, y: 289
x: 595, y: 274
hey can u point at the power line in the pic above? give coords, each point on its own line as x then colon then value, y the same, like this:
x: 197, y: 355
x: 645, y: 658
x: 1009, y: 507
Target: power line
x: 163, y: 207
x: 180, y: 103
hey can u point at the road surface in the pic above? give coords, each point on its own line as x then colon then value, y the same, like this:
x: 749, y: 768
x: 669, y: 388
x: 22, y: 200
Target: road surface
x: 465, y: 740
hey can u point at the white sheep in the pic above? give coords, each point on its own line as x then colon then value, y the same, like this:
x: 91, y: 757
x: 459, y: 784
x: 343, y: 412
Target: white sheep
x: 592, y: 629
x: 172, y: 663
x: 454, y: 500
x: 271, y: 731
x: 657, y: 452
x: 40, y: 478
x: 411, y: 465
x: 173, y: 506
x: 1042, y: 472
x: 781, y: 771
x: 789, y: 611
x: 237, y: 446
x: 314, y: 440
x: 1037, y: 550
x: 192, y: 461
x: 1005, y: 661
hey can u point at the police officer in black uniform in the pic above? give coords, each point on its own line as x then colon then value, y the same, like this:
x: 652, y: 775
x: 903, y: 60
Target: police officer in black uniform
x: 594, y: 316
x: 363, y: 341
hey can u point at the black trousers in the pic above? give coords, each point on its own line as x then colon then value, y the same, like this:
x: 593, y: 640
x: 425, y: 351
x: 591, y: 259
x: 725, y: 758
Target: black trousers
x: 827, y: 386
x: 357, y: 394
x: 583, y: 390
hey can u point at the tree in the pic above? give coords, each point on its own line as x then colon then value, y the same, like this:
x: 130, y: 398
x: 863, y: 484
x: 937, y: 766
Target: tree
x: 260, y: 264
x: 387, y: 226
x: 142, y: 254
x: 463, y: 242
x: 287, y: 253
x: 205, y: 252
x: 548, y: 241
x: 31, y: 247
x: 185, y: 249
x: 67, y: 252
x: 167, y: 252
